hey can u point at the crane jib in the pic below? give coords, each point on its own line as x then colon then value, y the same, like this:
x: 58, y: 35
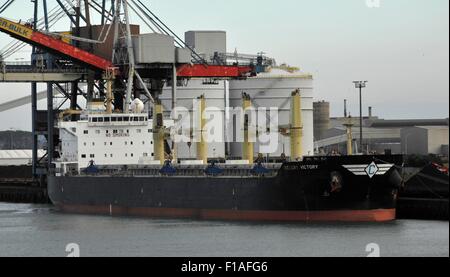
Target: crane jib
x: 26, y: 34
x: 15, y: 28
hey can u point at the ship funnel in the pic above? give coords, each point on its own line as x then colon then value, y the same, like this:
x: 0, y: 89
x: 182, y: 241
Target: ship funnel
x: 202, y: 146
x: 158, y: 132
x: 296, y: 126
x: 247, y: 146
x: 349, y: 125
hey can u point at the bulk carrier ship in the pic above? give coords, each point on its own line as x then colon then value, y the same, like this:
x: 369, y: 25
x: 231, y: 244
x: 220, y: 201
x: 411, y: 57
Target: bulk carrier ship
x: 139, y: 181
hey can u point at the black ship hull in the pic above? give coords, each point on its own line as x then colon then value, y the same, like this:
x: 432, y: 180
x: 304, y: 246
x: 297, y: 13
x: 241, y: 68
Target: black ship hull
x: 317, y: 189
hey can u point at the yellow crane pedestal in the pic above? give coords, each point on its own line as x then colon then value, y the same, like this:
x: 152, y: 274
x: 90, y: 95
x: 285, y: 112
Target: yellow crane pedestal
x: 202, y: 146
x: 248, y: 146
x: 296, y: 126
x: 158, y: 132
x: 349, y: 125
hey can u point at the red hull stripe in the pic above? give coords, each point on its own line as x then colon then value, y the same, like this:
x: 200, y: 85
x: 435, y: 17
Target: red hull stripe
x: 381, y: 215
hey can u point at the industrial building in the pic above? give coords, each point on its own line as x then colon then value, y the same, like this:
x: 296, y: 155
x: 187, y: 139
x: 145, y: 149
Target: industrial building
x: 424, y: 140
x: 322, y: 121
x: 420, y: 137
x: 207, y: 43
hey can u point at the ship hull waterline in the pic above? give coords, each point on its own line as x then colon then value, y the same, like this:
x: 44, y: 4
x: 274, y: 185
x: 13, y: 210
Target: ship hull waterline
x: 380, y: 215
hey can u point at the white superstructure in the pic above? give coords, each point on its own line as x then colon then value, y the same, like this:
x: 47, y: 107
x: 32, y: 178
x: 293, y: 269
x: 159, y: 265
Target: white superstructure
x: 108, y: 139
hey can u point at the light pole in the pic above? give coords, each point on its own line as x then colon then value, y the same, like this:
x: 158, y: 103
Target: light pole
x: 360, y: 85
x: 11, y: 141
x: 406, y: 143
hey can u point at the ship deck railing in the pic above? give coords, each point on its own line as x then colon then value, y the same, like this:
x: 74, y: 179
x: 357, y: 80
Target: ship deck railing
x: 236, y: 171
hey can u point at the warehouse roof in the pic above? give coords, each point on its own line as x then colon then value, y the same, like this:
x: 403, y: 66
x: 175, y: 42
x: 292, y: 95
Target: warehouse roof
x: 19, y: 154
x: 381, y: 123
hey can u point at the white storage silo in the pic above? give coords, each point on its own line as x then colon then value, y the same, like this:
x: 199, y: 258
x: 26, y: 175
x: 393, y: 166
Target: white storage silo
x: 274, y: 89
x: 216, y: 96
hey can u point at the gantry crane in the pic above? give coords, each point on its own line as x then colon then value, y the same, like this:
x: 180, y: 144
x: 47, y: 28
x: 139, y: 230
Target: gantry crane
x: 119, y: 76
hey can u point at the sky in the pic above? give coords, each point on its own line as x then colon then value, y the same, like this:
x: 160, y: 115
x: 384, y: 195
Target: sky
x: 400, y: 46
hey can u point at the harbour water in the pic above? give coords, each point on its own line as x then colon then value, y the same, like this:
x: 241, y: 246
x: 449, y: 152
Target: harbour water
x: 39, y: 230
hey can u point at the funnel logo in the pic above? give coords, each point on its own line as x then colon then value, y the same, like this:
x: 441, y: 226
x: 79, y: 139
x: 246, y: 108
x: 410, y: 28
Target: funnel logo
x: 373, y: 3
x: 372, y: 170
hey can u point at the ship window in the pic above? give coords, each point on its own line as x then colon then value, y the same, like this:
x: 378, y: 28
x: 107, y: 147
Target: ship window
x: 143, y: 143
x: 83, y: 156
x: 120, y: 119
x: 92, y: 156
x: 105, y: 143
x: 97, y: 132
x: 149, y: 130
x: 132, y: 154
x: 131, y: 142
x: 145, y: 154
x: 86, y: 132
x: 126, y: 154
x: 93, y: 144
x: 110, y: 143
x: 107, y: 131
x: 151, y: 142
x: 113, y: 119
x: 74, y: 130
x: 126, y: 142
x: 153, y: 154
x: 111, y: 155
x: 85, y: 144
x: 141, y: 118
x: 106, y: 155
x: 100, y: 119
x: 126, y: 118
x: 94, y: 119
x: 107, y: 119
x: 136, y: 118
x: 115, y: 131
x: 128, y: 131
